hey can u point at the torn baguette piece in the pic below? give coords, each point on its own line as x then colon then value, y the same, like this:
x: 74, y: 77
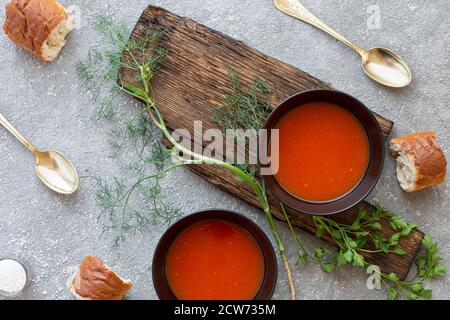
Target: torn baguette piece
x: 94, y: 280
x: 38, y: 26
x: 420, y: 161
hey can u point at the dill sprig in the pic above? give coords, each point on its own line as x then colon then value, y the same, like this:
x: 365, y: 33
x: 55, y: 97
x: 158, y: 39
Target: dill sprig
x: 127, y: 209
x: 118, y: 213
x: 428, y: 266
x: 244, y: 108
x: 132, y: 209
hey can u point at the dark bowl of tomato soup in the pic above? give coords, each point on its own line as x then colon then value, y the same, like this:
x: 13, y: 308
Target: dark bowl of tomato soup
x: 214, y: 255
x: 330, y: 152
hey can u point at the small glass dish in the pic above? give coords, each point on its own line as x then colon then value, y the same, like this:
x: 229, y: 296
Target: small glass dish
x: 12, y: 267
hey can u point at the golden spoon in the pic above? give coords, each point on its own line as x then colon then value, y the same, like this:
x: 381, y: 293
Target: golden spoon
x: 380, y: 64
x: 52, y: 167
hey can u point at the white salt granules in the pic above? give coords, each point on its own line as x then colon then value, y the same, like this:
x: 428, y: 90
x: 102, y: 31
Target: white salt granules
x: 13, y: 278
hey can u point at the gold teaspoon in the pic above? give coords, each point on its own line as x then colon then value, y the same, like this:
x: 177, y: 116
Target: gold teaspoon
x: 380, y: 64
x: 52, y: 167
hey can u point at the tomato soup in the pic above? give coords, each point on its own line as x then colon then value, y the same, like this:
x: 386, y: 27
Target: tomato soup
x: 215, y: 260
x: 324, y: 151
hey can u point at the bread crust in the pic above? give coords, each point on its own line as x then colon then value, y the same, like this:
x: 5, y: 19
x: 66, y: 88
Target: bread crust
x: 427, y: 155
x: 96, y: 281
x: 29, y: 23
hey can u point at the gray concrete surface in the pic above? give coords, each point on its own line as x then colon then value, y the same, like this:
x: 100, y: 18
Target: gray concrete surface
x: 45, y: 101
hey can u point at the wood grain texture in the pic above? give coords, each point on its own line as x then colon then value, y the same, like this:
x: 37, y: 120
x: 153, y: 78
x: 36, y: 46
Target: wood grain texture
x: 192, y: 82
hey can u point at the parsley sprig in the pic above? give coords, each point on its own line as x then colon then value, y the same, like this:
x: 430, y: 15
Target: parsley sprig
x: 355, y: 239
x: 428, y: 266
x: 363, y: 235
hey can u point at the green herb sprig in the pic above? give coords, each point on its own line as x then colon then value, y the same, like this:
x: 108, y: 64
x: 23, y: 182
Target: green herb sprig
x: 352, y: 241
x: 245, y: 108
x: 136, y: 207
x: 428, y: 266
x: 127, y: 208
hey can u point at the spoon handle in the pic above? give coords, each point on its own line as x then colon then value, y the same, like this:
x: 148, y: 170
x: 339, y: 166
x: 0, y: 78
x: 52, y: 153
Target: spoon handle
x: 16, y: 133
x: 299, y: 11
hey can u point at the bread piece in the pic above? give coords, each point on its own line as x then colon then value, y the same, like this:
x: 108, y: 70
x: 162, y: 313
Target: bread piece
x: 38, y: 26
x: 420, y: 160
x: 94, y: 280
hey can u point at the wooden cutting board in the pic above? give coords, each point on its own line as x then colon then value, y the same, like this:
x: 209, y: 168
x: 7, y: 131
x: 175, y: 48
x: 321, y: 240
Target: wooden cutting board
x: 192, y: 82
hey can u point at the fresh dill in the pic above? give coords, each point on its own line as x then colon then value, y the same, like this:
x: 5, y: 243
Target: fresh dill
x: 244, y: 108
x: 134, y: 208
x: 127, y: 209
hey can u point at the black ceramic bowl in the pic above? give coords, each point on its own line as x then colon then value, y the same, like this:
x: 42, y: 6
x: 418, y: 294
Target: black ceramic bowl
x: 376, y: 157
x: 159, y: 259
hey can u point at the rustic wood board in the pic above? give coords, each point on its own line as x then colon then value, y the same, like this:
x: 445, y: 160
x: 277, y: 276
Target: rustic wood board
x: 192, y: 82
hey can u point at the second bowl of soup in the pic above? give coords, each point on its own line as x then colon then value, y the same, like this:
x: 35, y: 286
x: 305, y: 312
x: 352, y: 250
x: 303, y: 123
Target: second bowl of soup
x: 330, y: 152
x: 214, y: 255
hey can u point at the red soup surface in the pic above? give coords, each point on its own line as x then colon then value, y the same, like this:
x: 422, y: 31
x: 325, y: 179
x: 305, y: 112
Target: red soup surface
x: 324, y: 151
x: 215, y: 260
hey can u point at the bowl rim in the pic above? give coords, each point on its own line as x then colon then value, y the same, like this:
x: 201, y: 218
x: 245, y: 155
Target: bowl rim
x: 269, y: 280
x: 374, y: 167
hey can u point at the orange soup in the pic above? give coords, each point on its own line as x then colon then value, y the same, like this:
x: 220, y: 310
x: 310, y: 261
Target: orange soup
x: 215, y: 260
x: 324, y: 151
